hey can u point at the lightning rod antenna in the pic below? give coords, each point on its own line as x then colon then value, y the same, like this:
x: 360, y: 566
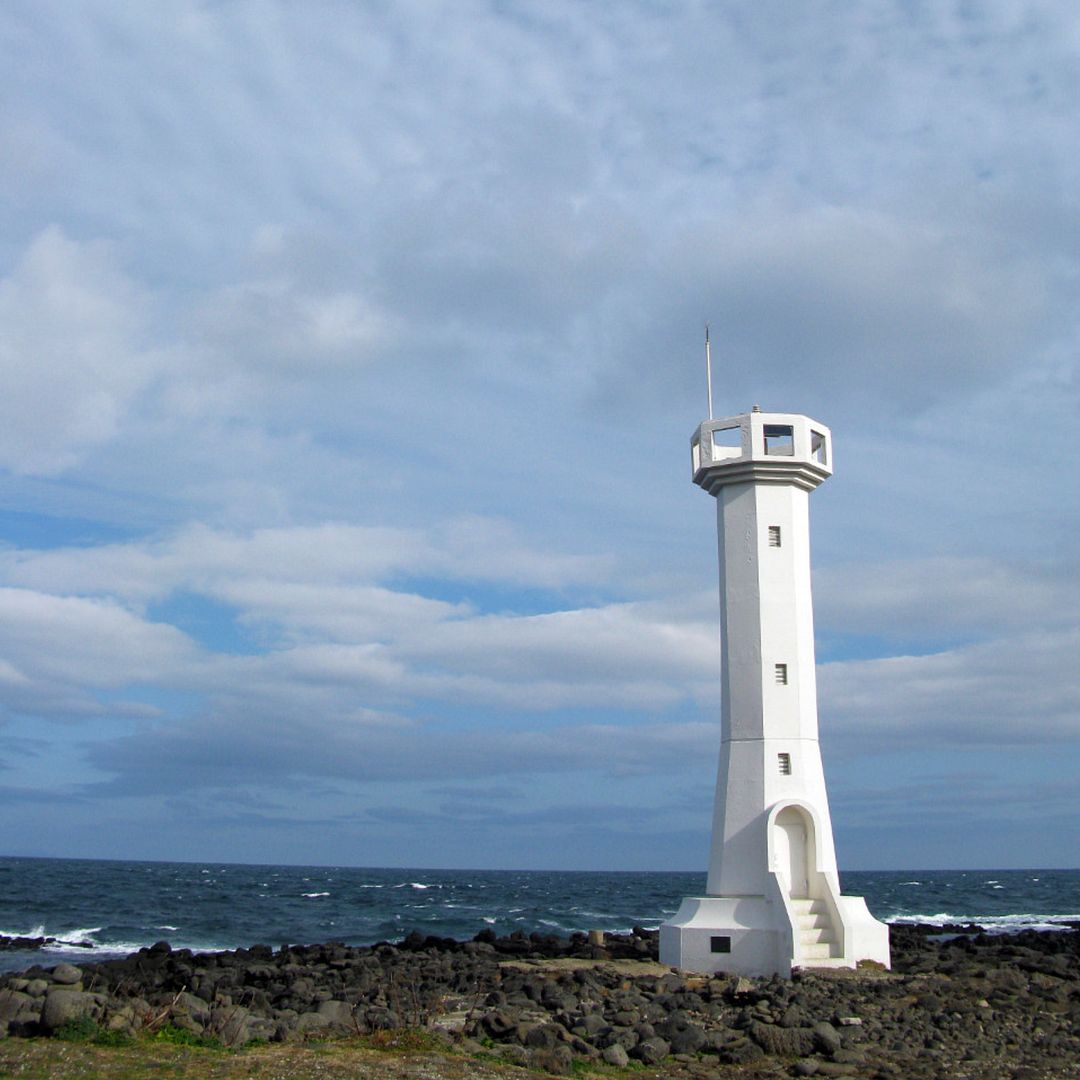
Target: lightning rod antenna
x: 708, y: 368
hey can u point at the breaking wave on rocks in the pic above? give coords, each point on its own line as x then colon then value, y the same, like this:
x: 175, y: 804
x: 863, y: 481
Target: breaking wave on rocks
x: 112, y: 908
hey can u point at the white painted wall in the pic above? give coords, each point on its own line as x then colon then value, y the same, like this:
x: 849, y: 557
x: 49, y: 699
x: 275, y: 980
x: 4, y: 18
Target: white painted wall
x: 768, y: 825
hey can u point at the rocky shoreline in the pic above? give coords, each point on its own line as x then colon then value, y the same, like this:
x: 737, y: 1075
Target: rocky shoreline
x: 957, y: 1004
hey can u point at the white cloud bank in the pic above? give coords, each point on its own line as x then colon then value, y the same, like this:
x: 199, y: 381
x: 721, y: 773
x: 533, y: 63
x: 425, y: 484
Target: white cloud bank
x: 349, y: 355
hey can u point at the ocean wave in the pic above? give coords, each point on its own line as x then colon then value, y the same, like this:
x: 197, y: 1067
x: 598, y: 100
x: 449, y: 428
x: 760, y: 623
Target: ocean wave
x: 78, y: 936
x: 312, y: 895
x: 36, y: 932
x: 999, y: 924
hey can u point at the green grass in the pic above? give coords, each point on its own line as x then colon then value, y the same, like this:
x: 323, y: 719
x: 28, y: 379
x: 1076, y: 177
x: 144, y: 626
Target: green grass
x: 85, y: 1030
x: 178, y: 1036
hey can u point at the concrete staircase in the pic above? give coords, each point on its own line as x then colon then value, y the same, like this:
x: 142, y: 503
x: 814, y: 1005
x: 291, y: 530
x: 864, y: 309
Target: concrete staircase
x: 816, y: 936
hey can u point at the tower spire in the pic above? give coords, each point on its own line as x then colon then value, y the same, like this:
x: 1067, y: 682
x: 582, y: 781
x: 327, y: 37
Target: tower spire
x: 708, y: 369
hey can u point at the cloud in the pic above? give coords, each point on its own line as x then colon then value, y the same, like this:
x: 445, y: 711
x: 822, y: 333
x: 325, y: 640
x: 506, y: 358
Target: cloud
x: 1003, y: 693
x: 377, y: 345
x: 278, y: 328
x: 91, y: 643
x: 920, y: 599
x: 869, y: 311
x: 246, y: 748
x: 71, y: 356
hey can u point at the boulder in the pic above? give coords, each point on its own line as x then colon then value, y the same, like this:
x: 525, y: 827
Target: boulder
x: 64, y: 1004
x: 18, y: 1007
x: 616, y: 1056
x: 826, y: 1038
x: 783, y: 1042
x: 559, y: 1060
x: 65, y: 975
x: 337, y: 1015
x: 231, y: 1024
x: 651, y: 1051
x: 542, y: 1037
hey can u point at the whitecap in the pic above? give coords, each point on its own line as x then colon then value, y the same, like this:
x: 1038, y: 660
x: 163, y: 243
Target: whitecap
x: 312, y: 895
x: 79, y: 934
x: 992, y: 924
x: 37, y: 931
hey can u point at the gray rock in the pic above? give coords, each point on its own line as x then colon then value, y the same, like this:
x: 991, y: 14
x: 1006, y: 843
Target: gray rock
x: 826, y: 1037
x: 500, y: 1024
x: 740, y: 1051
x: 651, y: 1051
x: 559, y: 1060
x: 615, y: 1055
x: 231, y: 1024
x: 783, y: 1042
x: 193, y: 1008
x: 337, y: 1014
x: 17, y: 1007
x: 688, y: 1040
x: 625, y: 1037
x: 542, y: 1037
x: 65, y: 975
x: 64, y: 1004
x: 590, y: 1025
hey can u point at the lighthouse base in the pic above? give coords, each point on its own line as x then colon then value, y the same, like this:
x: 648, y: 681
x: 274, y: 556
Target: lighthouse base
x: 758, y: 935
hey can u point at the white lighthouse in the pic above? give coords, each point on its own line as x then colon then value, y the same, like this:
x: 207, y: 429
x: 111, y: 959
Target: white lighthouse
x: 773, y: 894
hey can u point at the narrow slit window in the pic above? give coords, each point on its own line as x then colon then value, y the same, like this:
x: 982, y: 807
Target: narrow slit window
x: 818, y: 449
x: 781, y: 674
x: 774, y: 536
x: 784, y: 761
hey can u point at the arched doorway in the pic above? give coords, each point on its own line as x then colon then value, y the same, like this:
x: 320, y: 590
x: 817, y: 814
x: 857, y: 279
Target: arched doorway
x: 793, y: 850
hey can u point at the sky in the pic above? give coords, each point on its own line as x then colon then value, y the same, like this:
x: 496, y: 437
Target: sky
x: 350, y: 352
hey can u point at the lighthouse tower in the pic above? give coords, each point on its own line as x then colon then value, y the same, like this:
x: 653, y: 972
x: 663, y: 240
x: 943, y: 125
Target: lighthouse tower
x: 773, y: 894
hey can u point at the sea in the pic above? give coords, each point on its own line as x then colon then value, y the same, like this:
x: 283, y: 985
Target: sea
x: 98, y: 909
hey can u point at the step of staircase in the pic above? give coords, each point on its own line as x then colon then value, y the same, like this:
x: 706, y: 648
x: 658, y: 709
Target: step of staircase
x: 817, y: 937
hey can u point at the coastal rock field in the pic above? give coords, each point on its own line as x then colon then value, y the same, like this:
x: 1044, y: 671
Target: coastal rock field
x: 957, y: 1004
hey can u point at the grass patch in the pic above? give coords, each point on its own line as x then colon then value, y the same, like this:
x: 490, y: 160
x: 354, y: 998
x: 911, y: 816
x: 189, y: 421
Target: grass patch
x: 85, y: 1030
x: 81, y: 1029
x: 405, y: 1041
x: 178, y: 1036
